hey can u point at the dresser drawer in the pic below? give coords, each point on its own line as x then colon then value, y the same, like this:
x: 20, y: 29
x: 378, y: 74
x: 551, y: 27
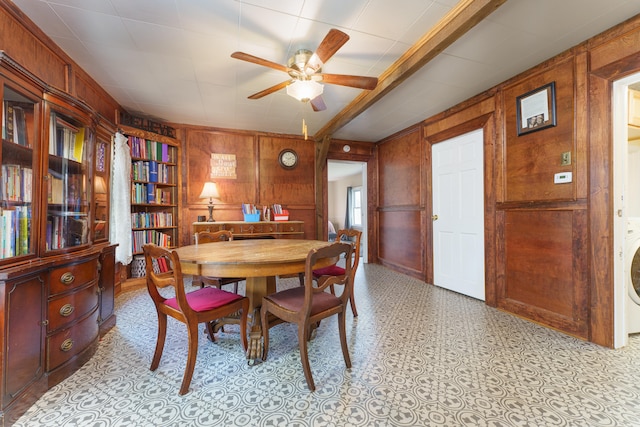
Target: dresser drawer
x: 71, y: 276
x: 291, y: 227
x: 63, y: 345
x: 66, y: 309
x: 252, y: 228
x: 209, y: 227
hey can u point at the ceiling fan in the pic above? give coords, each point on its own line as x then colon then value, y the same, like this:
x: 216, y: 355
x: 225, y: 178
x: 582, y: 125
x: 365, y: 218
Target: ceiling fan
x: 305, y: 67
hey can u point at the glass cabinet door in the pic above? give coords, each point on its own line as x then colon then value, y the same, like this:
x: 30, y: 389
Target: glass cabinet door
x: 68, y: 193
x: 101, y: 183
x: 19, y: 173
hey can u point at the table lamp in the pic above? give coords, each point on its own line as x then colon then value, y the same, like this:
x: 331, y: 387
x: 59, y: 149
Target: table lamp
x: 210, y: 191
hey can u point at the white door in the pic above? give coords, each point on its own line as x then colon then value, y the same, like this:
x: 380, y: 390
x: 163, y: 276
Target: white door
x: 458, y: 214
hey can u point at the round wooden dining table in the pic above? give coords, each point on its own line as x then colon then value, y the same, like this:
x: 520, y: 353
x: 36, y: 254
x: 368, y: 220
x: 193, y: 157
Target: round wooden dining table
x: 259, y: 261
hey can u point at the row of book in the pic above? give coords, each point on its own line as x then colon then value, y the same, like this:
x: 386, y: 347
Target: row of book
x: 151, y: 219
x: 249, y: 209
x: 65, y: 139
x: 142, y: 237
x: 151, y: 171
x: 15, y: 231
x: 65, y: 231
x: 160, y: 265
x: 150, y: 194
x: 17, y: 119
x: 150, y: 150
x: 17, y: 183
x: 68, y: 191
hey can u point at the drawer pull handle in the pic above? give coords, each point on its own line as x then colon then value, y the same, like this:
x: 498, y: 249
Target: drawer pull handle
x: 66, y: 345
x: 67, y: 278
x: 66, y: 310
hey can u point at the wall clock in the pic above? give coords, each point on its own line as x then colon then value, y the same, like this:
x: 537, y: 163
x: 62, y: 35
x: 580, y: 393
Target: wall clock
x: 288, y: 158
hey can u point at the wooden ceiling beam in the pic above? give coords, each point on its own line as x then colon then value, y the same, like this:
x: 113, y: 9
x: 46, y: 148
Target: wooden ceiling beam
x: 464, y: 16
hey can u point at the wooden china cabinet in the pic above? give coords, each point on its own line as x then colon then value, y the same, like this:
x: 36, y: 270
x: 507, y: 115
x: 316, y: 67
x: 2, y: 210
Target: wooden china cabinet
x: 57, y: 267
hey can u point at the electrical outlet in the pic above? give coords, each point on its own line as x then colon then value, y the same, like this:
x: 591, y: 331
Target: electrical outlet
x: 566, y: 158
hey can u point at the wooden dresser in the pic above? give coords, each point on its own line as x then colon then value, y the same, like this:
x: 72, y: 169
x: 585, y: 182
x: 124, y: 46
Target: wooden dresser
x: 254, y: 230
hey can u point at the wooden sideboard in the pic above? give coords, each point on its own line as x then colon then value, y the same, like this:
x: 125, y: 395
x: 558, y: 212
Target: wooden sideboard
x: 254, y: 230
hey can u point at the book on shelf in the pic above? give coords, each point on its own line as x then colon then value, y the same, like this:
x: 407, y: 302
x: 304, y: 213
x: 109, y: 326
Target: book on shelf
x: 65, y: 139
x: 17, y: 119
x: 8, y: 235
x: 153, y: 171
x: 151, y: 194
x: 24, y: 230
x: 55, y: 193
x: 78, y: 146
x: 15, y: 231
x: 17, y: 183
x: 7, y: 119
x: 99, y: 226
x: 19, y: 126
x: 165, y: 153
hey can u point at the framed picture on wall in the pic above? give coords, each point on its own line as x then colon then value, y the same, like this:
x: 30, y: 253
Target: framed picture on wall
x: 536, y: 110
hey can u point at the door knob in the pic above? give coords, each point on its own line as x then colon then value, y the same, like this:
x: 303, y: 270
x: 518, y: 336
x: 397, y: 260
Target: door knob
x: 434, y: 217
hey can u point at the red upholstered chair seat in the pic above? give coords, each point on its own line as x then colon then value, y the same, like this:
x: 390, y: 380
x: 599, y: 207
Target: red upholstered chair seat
x: 205, y: 299
x: 308, y: 304
x: 293, y: 300
x: 334, y: 270
x: 206, y: 305
x: 331, y: 270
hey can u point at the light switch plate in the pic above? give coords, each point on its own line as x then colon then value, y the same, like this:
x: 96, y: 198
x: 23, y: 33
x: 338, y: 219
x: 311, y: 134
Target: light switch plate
x: 562, y: 177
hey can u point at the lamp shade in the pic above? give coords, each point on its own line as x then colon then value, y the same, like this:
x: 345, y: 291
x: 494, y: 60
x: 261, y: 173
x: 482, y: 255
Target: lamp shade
x: 100, y: 185
x: 209, y: 191
x: 305, y: 90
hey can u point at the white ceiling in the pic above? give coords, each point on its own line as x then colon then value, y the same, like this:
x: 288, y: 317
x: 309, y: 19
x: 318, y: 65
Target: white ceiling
x: 169, y: 60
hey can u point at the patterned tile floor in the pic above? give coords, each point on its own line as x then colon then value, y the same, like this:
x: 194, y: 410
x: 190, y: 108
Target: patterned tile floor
x: 422, y: 356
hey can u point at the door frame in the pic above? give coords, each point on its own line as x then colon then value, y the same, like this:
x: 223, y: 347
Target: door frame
x: 364, y: 241
x: 620, y: 107
x: 492, y: 155
x: 470, y: 139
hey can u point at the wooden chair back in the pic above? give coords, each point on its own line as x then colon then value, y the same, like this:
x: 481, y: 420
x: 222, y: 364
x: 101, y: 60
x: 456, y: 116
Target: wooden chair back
x: 334, y: 251
x: 205, y: 305
x: 351, y: 235
x: 213, y: 236
x: 307, y: 305
x: 163, y: 271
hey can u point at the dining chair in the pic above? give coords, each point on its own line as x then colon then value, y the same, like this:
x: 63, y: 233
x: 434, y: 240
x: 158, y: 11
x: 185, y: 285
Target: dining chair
x: 347, y: 235
x: 307, y: 305
x: 218, y: 282
x: 201, y: 306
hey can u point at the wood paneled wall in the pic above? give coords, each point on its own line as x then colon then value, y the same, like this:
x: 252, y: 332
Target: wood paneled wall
x: 260, y: 179
x: 549, y: 247
x: 400, y: 197
x: 542, y: 267
x: 25, y: 43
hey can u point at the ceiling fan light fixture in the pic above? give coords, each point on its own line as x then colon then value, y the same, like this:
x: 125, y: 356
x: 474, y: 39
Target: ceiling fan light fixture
x: 305, y: 90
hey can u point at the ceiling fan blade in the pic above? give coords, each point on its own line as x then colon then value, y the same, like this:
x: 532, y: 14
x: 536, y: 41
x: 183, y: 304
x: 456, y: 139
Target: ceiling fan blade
x: 327, y: 48
x: 254, y: 59
x: 317, y: 103
x: 270, y: 90
x: 360, y: 82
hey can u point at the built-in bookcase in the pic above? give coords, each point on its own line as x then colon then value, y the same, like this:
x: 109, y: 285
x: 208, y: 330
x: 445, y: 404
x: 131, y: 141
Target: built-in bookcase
x: 154, y: 190
x: 17, y: 174
x: 68, y: 195
x: 57, y: 267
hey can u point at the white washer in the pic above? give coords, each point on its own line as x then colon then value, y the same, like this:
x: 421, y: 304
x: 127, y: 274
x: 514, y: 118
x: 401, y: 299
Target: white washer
x: 632, y: 275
